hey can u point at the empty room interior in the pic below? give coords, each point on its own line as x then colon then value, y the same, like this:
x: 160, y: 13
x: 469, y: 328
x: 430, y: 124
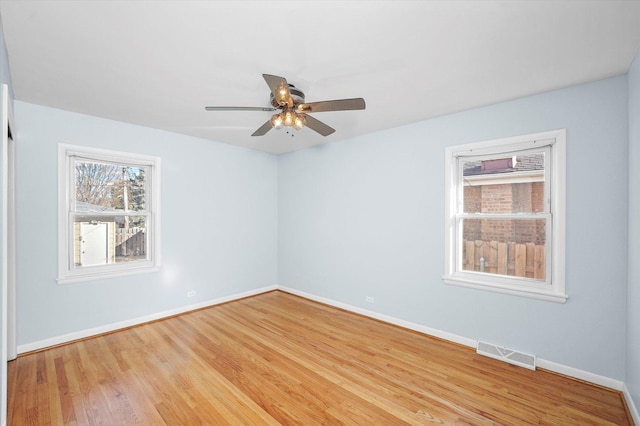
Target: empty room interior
x: 320, y: 212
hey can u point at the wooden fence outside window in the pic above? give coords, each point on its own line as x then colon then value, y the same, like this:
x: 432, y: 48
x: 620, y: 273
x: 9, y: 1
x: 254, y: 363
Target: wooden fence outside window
x: 131, y: 242
x: 509, y: 258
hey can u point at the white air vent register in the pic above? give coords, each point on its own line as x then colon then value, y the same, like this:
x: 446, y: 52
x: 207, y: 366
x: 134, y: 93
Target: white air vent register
x: 507, y: 355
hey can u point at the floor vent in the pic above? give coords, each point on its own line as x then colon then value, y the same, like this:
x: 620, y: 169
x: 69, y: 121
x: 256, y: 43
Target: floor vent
x: 507, y: 355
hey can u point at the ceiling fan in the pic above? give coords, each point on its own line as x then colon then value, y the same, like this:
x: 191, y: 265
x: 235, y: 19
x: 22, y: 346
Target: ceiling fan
x: 292, y: 111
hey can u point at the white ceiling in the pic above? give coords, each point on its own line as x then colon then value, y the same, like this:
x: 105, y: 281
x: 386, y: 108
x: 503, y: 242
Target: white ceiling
x: 158, y: 63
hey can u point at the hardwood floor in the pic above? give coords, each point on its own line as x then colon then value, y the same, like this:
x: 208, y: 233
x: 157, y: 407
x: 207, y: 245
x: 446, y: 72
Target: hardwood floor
x: 279, y: 359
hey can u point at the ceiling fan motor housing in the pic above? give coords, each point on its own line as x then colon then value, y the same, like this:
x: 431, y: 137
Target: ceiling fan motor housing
x: 296, y: 94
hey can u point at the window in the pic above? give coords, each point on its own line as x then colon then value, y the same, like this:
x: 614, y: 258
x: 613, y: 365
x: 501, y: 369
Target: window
x: 108, y: 213
x: 505, y: 215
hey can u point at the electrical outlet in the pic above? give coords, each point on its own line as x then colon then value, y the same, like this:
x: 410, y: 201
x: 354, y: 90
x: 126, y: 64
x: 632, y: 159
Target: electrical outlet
x: 191, y: 293
x: 369, y: 299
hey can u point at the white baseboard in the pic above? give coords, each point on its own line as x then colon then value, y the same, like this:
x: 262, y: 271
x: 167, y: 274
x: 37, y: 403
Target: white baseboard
x: 586, y: 376
x: 83, y: 334
x: 633, y: 410
x: 541, y: 363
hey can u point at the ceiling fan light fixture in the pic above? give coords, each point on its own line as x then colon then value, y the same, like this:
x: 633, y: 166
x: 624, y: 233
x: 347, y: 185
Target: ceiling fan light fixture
x: 298, y: 122
x: 289, y: 118
x: 276, y: 121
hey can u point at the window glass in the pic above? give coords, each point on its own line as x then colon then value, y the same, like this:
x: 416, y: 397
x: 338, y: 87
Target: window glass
x: 514, y: 247
x: 109, y: 186
x: 505, y: 185
x: 498, y: 188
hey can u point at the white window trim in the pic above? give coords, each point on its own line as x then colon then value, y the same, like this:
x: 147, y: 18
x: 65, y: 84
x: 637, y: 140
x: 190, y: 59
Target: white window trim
x: 554, y: 292
x: 66, y: 273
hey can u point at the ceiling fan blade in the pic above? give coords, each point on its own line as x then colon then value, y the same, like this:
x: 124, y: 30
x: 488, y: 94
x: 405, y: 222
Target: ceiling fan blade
x: 262, y: 130
x: 318, y: 126
x: 280, y: 89
x: 237, y: 108
x: 335, y: 105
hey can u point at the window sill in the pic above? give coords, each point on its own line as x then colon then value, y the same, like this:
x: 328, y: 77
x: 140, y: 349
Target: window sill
x: 72, y: 279
x: 523, y: 292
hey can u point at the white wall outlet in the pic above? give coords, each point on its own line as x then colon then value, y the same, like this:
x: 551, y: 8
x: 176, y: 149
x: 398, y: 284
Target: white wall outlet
x: 191, y: 293
x: 369, y: 299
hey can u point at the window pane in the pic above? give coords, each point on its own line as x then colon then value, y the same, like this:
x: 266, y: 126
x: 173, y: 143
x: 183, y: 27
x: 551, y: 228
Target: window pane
x: 514, y: 247
x: 106, y: 240
x: 505, y: 185
x: 106, y: 187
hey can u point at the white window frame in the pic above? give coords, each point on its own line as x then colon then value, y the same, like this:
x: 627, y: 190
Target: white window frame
x: 553, y: 288
x: 67, y: 273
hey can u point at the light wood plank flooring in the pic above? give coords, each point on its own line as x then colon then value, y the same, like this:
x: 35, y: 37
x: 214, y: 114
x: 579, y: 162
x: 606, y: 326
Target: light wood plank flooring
x: 280, y: 359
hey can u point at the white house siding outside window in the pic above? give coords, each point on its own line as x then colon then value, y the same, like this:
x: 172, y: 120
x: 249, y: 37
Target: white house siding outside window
x: 505, y: 215
x: 109, y: 213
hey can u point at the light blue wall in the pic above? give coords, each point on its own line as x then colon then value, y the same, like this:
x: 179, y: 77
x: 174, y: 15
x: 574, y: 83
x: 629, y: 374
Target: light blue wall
x: 219, y: 224
x: 365, y: 217
x: 633, y: 295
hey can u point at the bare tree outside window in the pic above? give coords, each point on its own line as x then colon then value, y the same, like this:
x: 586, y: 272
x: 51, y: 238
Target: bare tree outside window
x: 111, y: 186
